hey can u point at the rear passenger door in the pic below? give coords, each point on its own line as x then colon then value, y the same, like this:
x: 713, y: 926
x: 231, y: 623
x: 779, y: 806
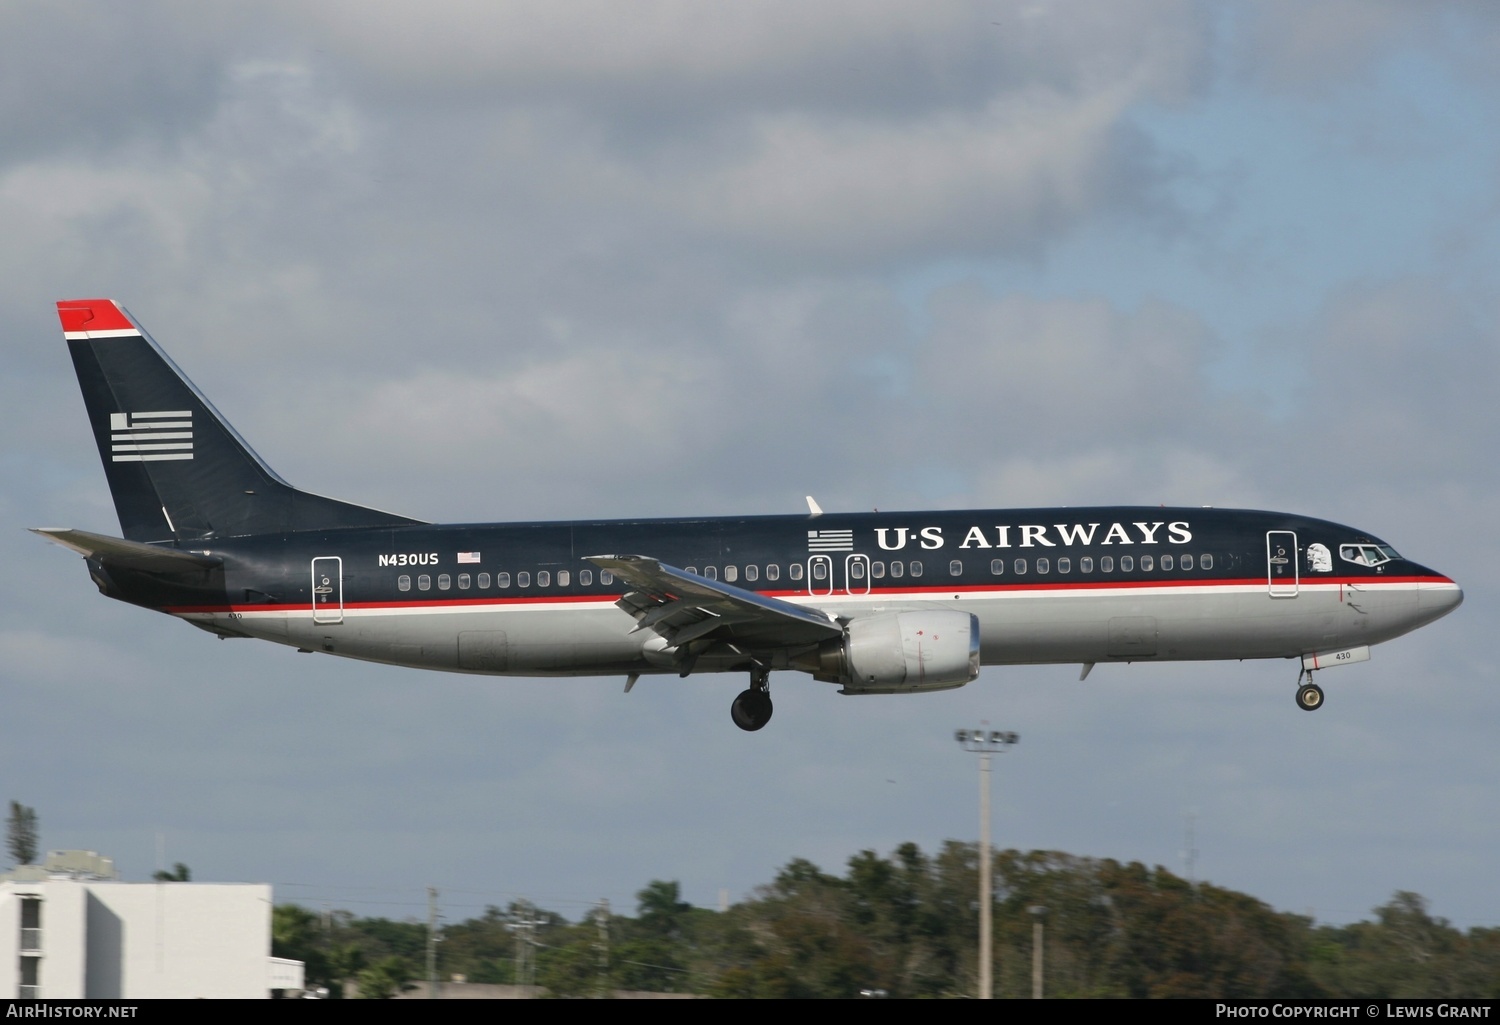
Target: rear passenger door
x: 328, y: 589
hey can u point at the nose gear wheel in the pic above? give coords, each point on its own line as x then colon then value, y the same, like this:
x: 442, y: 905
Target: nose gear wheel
x: 1309, y: 697
x: 1309, y: 694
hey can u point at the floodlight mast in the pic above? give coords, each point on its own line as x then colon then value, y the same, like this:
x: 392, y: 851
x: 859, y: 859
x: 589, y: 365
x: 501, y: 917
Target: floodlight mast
x: 985, y: 742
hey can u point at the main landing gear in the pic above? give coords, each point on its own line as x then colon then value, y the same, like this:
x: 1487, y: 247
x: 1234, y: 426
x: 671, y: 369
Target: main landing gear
x: 752, y: 709
x: 1309, y: 694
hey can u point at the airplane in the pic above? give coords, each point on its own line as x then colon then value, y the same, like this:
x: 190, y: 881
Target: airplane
x: 876, y: 603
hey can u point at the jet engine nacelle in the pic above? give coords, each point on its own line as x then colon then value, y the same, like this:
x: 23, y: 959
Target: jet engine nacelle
x: 902, y: 652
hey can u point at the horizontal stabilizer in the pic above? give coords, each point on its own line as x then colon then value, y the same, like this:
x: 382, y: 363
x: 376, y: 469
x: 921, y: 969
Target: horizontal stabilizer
x: 132, y: 554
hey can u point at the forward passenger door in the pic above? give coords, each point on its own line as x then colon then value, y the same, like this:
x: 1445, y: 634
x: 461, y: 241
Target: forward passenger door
x: 1282, y: 568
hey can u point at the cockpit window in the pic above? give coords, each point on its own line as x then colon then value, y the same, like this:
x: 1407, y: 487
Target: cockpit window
x: 1368, y: 554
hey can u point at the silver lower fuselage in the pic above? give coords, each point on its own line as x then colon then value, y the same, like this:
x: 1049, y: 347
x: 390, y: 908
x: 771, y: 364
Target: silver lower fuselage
x: 1187, y: 622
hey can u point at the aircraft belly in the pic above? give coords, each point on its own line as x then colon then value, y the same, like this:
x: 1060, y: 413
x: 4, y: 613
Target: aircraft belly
x: 1166, y: 627
x: 488, y: 641
x: 262, y: 626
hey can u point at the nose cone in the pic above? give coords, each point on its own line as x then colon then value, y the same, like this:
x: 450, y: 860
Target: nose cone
x: 1437, y: 596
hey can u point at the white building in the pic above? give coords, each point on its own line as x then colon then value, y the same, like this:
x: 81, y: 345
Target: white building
x: 67, y: 932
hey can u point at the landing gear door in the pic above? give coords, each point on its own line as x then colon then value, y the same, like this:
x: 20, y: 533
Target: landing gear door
x: 328, y: 589
x: 1282, y: 570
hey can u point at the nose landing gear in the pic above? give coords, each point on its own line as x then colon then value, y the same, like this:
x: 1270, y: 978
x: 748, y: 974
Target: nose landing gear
x: 752, y: 708
x: 1309, y: 694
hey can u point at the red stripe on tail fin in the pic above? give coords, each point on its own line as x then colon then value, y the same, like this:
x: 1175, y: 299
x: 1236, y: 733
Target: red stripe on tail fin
x: 80, y: 315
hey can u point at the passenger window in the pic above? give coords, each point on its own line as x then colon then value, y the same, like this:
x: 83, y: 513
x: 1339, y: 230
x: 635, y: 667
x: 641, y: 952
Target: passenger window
x: 1086, y: 564
x: 691, y: 569
x: 1127, y: 563
x: 956, y: 568
x: 1043, y: 565
x: 1106, y: 564
x: 606, y: 577
x: 424, y: 582
x: 752, y: 572
x: 1207, y: 562
x: 1147, y: 564
x: 819, y: 571
x: 502, y: 579
x: 916, y: 568
x: 543, y: 578
x: 523, y: 579
x: 877, y: 570
x: 897, y: 569
x: 403, y: 582
x: 1065, y: 565
x: 773, y: 572
x: 463, y: 581
x: 563, y: 576
x: 1187, y: 562
x: 794, y: 571
x: 712, y: 572
x: 997, y: 566
x: 1166, y: 562
x: 1020, y: 567
x: 857, y: 570
x: 585, y: 577
x: 444, y: 581
x: 731, y: 574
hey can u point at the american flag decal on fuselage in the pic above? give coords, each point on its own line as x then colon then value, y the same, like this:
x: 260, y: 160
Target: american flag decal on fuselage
x: 149, y: 437
x: 830, y: 540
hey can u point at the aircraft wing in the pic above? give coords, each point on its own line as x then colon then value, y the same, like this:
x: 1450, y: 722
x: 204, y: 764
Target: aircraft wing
x: 683, y: 607
x: 132, y: 554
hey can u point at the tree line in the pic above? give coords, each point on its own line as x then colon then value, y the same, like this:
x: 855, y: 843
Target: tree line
x: 906, y: 926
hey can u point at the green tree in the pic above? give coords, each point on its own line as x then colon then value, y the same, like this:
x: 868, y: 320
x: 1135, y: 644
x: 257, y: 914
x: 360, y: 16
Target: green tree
x: 384, y: 979
x: 21, y: 834
x: 907, y: 923
x: 482, y: 949
x: 651, y: 952
x: 180, y: 874
x: 661, y: 908
x: 297, y: 934
x: 1405, y: 953
x: 571, y: 968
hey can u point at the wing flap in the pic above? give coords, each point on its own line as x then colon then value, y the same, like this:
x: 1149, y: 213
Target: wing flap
x: 683, y: 607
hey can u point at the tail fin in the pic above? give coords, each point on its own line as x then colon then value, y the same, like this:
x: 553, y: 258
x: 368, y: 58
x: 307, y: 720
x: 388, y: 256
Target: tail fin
x: 176, y: 468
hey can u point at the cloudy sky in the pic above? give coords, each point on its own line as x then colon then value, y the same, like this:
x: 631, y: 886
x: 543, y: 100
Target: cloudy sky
x: 473, y: 261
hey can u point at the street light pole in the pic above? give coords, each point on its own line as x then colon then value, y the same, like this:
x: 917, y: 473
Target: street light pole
x: 985, y: 743
x: 1038, y: 944
x: 432, y: 942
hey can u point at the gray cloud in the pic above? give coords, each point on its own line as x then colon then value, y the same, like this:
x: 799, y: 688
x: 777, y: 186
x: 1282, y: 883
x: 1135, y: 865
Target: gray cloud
x: 89, y: 79
x: 665, y: 59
